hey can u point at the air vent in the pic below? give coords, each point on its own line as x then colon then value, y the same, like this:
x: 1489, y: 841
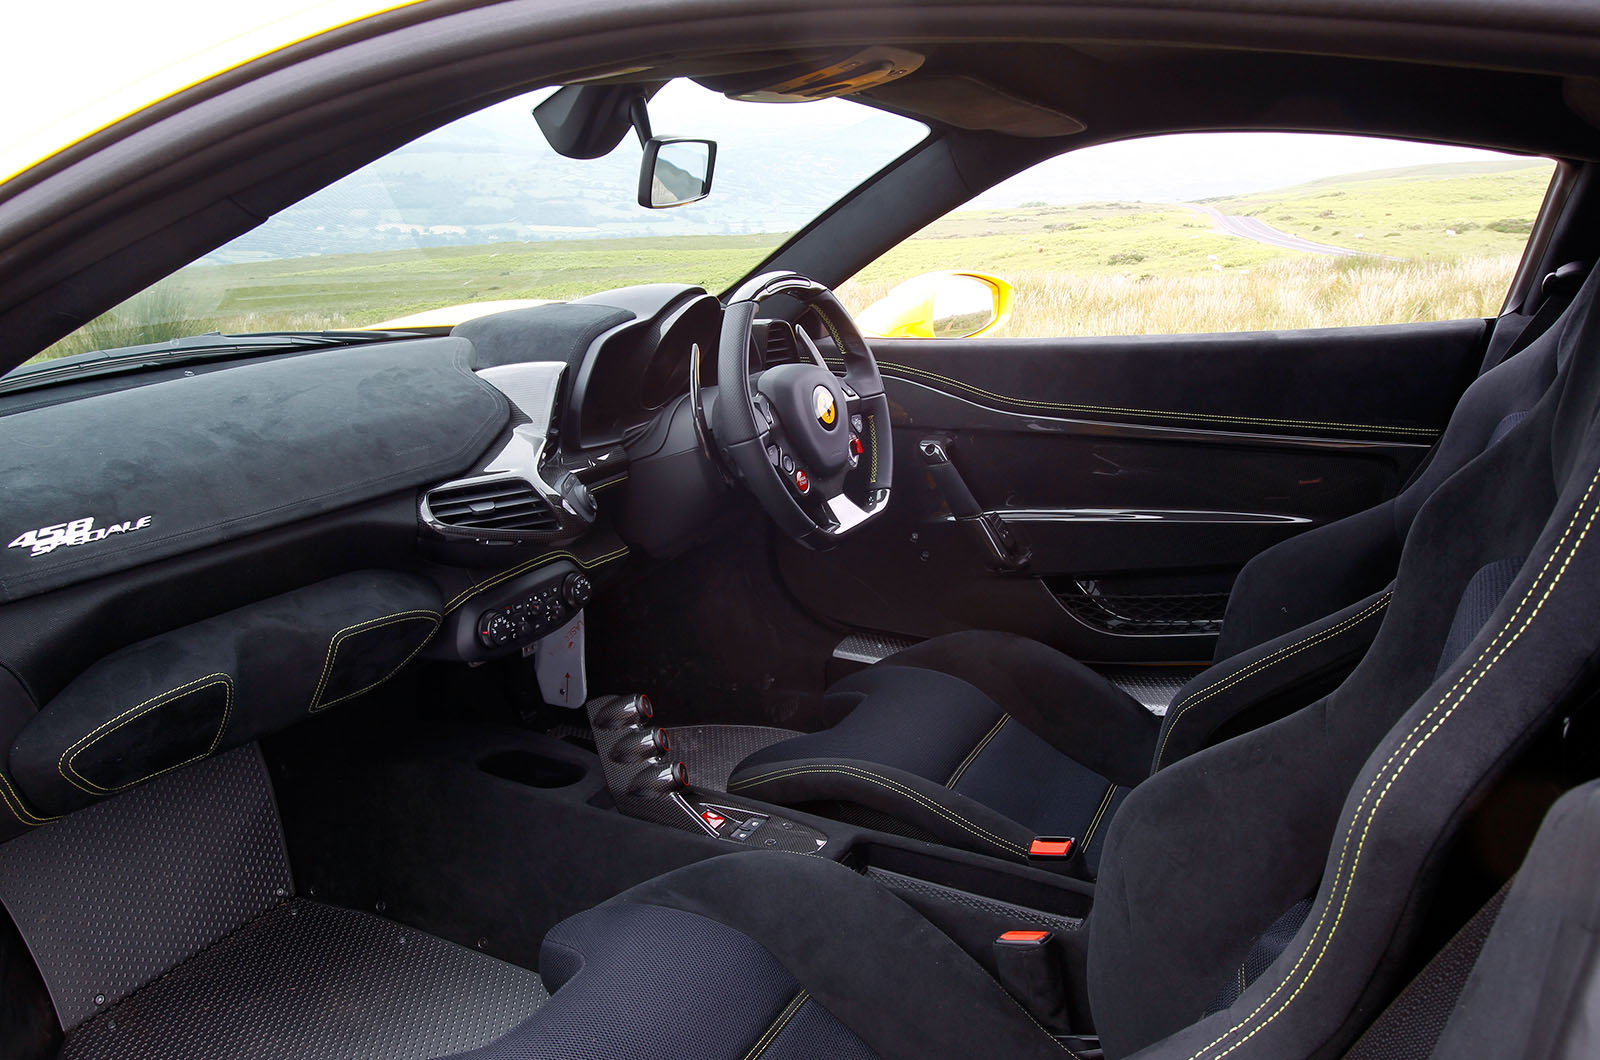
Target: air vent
x: 779, y: 346
x: 498, y: 504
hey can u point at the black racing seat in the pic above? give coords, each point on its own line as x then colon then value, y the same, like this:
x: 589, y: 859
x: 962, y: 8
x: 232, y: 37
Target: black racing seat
x: 984, y: 740
x: 1261, y: 898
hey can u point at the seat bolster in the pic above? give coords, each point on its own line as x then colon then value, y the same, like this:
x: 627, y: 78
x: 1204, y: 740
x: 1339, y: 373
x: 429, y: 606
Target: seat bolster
x: 867, y: 958
x: 1271, y: 679
x: 1066, y: 704
x: 950, y: 816
x: 1316, y: 573
x: 635, y: 982
x: 913, y: 720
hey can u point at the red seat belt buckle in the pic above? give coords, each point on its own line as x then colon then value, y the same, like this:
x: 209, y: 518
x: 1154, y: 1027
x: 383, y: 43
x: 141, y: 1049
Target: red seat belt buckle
x: 1051, y: 847
x: 1024, y: 938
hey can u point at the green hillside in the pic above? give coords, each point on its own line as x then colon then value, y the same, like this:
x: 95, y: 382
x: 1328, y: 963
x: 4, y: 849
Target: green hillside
x: 1411, y: 213
x: 1455, y: 228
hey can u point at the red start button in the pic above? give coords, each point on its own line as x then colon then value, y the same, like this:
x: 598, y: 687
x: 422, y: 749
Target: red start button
x: 802, y: 481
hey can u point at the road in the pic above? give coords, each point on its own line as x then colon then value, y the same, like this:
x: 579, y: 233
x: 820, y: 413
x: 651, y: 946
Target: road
x: 1258, y: 230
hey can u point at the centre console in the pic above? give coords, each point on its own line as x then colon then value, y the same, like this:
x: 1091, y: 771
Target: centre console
x: 648, y: 783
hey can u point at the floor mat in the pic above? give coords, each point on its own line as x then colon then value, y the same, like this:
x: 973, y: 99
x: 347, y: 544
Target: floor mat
x: 309, y: 981
x: 1154, y: 686
x: 165, y: 925
x: 114, y: 895
x: 710, y: 752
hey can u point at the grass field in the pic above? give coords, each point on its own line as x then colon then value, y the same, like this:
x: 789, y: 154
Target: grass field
x: 1437, y: 242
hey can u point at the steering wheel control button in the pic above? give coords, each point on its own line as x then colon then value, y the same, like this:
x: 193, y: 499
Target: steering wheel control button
x: 774, y: 454
x: 857, y: 424
x: 856, y: 448
x: 788, y: 464
x: 802, y: 481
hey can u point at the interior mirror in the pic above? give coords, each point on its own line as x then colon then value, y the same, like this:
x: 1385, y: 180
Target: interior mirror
x: 939, y: 305
x: 675, y: 171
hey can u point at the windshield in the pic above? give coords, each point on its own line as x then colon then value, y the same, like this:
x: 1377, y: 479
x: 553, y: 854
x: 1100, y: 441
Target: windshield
x: 483, y: 211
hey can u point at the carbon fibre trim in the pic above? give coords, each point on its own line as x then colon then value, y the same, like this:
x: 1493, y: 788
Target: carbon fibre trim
x: 711, y: 751
x: 309, y: 981
x: 1153, y: 686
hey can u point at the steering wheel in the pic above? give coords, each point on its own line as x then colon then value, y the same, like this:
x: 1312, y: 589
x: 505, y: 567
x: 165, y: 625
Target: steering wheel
x: 813, y: 447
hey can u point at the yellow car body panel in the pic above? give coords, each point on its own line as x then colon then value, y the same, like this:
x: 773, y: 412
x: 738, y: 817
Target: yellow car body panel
x: 907, y: 311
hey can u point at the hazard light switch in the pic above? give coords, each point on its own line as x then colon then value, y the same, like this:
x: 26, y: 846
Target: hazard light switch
x: 714, y: 819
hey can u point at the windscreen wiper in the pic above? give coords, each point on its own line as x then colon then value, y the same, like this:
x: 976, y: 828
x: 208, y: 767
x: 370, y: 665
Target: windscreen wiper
x: 212, y: 346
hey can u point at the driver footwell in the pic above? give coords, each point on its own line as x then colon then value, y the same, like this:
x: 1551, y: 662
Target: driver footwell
x: 166, y: 926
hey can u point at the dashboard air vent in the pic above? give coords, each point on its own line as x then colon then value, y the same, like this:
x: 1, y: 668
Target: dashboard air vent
x: 499, y: 504
x: 778, y: 347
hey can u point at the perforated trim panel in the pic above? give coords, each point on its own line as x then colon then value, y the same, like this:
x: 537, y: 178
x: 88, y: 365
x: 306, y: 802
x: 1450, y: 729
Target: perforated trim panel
x: 114, y: 895
x: 315, y: 982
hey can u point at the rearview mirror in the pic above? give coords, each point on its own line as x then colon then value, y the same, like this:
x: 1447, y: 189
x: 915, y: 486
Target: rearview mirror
x: 675, y: 171
x: 939, y: 305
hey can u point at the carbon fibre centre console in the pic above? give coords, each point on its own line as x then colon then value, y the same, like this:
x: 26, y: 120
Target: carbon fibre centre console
x: 648, y: 783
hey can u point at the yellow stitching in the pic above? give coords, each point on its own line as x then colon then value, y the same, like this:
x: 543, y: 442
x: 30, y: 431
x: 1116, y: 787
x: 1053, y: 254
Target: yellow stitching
x: 827, y: 322
x: 1105, y: 804
x: 63, y: 764
x: 1410, y: 752
x: 527, y: 565
x: 1057, y: 406
x: 776, y: 1028
x: 13, y: 800
x: 619, y: 480
x: 425, y: 614
x: 872, y: 428
x: 892, y: 785
x: 972, y: 754
x: 1268, y: 661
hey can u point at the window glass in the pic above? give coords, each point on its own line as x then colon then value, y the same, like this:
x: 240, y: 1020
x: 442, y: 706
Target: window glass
x: 483, y: 211
x: 1227, y: 232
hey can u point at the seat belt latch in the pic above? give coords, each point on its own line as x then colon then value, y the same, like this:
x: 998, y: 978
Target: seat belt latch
x: 1030, y: 969
x: 1051, y: 847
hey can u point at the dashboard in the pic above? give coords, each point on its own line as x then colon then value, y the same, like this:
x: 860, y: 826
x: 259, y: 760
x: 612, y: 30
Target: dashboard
x: 477, y: 458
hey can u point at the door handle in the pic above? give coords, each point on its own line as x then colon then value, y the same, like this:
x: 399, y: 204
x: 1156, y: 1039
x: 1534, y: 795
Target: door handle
x: 1003, y: 549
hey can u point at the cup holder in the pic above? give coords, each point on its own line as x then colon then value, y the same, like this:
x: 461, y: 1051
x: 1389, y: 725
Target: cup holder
x: 533, y: 769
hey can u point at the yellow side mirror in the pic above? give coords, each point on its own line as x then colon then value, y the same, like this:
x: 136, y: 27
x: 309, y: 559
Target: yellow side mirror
x: 939, y: 305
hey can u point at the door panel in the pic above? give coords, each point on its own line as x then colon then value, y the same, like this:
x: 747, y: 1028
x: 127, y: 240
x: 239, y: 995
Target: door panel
x: 1140, y: 474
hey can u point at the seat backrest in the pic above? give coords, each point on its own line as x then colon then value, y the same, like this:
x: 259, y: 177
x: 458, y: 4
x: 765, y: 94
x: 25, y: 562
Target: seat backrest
x: 1352, y: 800
x: 1327, y: 569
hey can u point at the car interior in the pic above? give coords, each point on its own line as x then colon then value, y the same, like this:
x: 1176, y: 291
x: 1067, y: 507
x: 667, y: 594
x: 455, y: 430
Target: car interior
x: 672, y: 671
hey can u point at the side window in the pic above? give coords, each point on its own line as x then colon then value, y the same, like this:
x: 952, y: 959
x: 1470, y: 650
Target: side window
x: 1213, y: 232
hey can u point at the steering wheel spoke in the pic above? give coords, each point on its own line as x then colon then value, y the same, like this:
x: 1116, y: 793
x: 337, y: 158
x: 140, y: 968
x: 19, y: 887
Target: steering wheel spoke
x: 813, y: 446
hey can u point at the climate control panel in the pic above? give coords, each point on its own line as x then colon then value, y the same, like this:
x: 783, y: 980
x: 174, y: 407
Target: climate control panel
x: 541, y: 610
x: 514, y: 616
